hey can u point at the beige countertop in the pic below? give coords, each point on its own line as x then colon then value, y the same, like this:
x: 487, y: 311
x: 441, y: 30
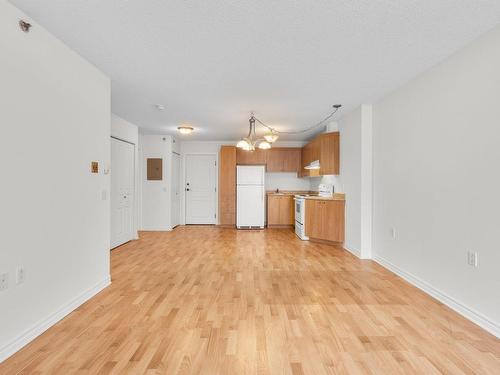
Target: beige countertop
x: 335, y: 197
x: 289, y: 192
x: 313, y: 195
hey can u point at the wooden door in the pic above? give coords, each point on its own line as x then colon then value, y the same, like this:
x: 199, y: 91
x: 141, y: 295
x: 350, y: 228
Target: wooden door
x: 313, y: 218
x: 315, y: 148
x: 227, y: 185
x: 287, y: 210
x: 330, y: 153
x: 292, y: 160
x: 273, y: 210
x: 276, y: 160
x: 333, y: 221
x: 257, y: 157
x: 284, y: 159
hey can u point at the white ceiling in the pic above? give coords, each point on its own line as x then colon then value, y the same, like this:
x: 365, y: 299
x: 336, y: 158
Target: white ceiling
x: 212, y: 62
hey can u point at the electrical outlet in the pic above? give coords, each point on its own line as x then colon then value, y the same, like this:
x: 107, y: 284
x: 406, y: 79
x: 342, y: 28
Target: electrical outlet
x: 20, y: 275
x: 472, y: 258
x: 393, y: 232
x: 4, y: 281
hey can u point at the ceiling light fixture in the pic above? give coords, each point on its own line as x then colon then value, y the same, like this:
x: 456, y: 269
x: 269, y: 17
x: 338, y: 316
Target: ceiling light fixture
x: 185, y: 129
x: 271, y: 136
x: 160, y: 107
x: 251, y: 141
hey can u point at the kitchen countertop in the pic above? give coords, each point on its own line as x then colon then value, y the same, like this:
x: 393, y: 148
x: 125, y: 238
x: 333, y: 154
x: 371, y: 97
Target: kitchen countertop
x: 312, y: 195
x: 335, y: 197
x: 289, y: 192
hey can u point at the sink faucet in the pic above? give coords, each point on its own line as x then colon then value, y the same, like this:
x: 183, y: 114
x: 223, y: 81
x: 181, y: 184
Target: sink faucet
x: 277, y: 190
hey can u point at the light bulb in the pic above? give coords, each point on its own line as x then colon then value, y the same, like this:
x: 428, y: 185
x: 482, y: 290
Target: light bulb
x: 242, y: 144
x: 185, y: 129
x: 264, y: 145
x: 271, y: 137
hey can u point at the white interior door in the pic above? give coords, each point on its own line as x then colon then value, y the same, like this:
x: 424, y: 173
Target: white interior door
x: 200, y: 189
x: 176, y: 165
x: 122, y: 192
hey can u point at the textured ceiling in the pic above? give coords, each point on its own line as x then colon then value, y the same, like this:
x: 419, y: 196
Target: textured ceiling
x: 212, y: 62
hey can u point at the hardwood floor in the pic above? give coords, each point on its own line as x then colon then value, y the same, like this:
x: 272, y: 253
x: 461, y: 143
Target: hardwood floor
x: 206, y: 300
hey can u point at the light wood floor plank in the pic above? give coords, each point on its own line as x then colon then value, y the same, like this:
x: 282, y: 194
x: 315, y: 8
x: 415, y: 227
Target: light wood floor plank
x: 207, y: 300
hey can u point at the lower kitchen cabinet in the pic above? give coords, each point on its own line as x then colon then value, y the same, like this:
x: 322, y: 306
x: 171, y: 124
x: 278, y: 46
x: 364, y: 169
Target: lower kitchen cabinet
x: 280, y: 210
x: 325, y: 220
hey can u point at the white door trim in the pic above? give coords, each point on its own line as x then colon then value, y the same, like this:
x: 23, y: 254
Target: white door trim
x: 183, y: 184
x: 135, y: 207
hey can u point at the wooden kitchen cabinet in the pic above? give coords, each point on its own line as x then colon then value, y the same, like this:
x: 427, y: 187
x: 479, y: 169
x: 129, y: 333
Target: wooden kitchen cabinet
x: 257, y: 157
x: 280, y: 210
x: 325, y: 220
x: 329, y: 153
x: 309, y: 154
x: 281, y: 159
x: 227, y: 186
x: 325, y: 148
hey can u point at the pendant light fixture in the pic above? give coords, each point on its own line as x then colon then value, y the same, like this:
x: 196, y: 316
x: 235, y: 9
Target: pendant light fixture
x: 250, y: 142
x: 271, y: 136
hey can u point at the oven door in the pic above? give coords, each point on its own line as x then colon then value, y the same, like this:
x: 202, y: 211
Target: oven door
x: 299, y: 210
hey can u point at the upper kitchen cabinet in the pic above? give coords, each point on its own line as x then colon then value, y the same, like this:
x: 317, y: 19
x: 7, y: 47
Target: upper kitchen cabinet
x: 257, y: 157
x: 310, y: 153
x: 329, y: 153
x: 284, y: 159
x: 325, y: 148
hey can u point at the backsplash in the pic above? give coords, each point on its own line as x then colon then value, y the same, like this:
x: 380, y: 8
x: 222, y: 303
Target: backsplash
x: 286, y: 181
x: 328, y: 179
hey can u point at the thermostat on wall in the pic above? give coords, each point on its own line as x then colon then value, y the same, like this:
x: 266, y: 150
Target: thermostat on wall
x: 94, y: 167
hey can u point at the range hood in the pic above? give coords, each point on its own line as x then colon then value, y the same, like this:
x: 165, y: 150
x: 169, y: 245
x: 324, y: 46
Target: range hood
x: 313, y: 165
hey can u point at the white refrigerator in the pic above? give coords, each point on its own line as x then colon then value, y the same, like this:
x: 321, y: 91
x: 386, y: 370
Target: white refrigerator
x: 250, y: 196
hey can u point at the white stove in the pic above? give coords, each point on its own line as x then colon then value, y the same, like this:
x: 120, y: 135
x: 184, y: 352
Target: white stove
x: 300, y: 217
x: 325, y: 190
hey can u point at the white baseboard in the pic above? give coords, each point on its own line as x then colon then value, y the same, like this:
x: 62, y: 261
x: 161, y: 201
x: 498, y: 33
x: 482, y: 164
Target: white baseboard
x: 155, y: 229
x: 40, y: 327
x: 353, y: 251
x: 474, y: 316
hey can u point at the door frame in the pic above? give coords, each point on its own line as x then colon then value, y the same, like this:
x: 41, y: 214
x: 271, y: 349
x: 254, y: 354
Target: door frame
x: 183, y: 185
x: 181, y: 190
x: 135, y: 206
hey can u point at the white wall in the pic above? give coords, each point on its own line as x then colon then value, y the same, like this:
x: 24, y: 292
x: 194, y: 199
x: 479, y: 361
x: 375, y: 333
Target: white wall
x: 126, y: 131
x: 350, y: 169
x: 55, y: 116
x: 287, y: 181
x: 156, y: 195
x: 437, y: 182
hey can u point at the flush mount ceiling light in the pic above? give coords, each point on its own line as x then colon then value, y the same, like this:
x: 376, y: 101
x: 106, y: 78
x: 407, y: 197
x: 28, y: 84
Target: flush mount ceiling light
x: 251, y: 141
x: 159, y: 107
x: 185, y: 129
